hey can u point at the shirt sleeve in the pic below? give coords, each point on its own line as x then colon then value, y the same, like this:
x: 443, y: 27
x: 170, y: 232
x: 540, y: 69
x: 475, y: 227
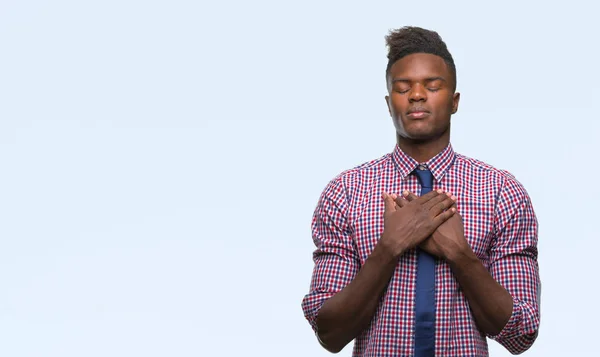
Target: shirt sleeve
x: 514, y: 265
x: 335, y: 259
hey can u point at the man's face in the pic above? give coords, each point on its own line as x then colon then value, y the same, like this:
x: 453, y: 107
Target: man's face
x: 421, y: 97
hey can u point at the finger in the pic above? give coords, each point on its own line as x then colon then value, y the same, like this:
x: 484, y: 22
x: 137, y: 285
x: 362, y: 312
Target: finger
x: 440, y: 203
x: 390, y: 205
x: 444, y: 216
x: 395, y: 197
x: 409, y: 196
x: 401, y: 201
x: 442, y: 206
x: 435, y: 200
x: 426, y: 197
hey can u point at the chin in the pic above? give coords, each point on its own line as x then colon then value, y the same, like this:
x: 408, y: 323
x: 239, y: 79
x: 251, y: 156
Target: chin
x: 421, y: 135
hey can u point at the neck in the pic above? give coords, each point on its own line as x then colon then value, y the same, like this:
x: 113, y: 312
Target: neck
x: 423, y: 151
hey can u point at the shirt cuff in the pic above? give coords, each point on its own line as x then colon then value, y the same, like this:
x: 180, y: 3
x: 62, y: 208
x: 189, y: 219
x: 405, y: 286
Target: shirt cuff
x: 312, y: 304
x: 511, y: 329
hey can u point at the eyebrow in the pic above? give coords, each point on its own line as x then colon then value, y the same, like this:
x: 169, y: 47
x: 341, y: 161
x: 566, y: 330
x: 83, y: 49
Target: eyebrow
x: 406, y: 80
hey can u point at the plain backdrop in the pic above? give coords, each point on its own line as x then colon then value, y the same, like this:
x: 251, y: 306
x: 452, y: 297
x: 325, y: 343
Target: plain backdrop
x: 160, y: 161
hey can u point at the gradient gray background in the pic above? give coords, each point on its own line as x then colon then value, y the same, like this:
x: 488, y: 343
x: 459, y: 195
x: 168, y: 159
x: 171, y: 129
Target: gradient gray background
x: 160, y: 161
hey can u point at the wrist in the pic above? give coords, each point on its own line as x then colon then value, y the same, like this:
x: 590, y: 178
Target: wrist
x: 388, y: 251
x: 462, y: 258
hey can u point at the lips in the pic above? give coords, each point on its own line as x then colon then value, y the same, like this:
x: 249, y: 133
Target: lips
x: 417, y: 113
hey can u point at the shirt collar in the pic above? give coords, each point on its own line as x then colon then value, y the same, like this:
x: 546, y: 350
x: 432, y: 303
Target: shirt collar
x: 438, y: 165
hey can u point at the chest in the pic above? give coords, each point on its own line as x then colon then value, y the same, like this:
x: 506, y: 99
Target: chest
x: 475, y: 203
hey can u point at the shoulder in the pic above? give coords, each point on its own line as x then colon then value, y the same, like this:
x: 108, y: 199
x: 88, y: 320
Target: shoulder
x: 359, y: 176
x: 349, y: 188
x: 503, y: 178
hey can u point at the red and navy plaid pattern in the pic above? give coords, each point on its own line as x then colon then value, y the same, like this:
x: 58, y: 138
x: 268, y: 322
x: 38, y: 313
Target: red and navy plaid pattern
x: 500, y: 225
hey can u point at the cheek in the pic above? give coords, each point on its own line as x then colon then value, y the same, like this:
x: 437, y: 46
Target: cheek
x: 444, y: 106
x: 396, y: 105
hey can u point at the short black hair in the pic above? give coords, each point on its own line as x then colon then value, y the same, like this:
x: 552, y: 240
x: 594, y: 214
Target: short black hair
x: 410, y: 39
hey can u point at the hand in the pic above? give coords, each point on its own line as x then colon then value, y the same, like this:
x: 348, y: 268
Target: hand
x: 408, y: 225
x: 448, y: 240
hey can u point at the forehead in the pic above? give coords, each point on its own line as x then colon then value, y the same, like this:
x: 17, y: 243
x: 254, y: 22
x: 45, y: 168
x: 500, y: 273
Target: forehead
x: 418, y: 66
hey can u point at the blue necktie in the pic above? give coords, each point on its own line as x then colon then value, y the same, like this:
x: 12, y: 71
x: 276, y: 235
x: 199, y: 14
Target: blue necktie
x: 425, y: 287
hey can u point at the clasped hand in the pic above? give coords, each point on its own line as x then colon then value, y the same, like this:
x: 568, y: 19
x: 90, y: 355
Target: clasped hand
x: 429, y: 222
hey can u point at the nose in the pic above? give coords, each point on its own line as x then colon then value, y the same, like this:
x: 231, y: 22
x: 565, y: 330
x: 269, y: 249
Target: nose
x: 417, y: 93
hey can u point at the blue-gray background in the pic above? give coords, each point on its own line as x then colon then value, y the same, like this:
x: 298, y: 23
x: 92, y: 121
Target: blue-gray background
x: 160, y: 161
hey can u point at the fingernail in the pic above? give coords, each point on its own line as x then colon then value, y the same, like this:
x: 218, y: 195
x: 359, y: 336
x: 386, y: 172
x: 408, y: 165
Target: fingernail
x: 453, y: 198
x: 405, y: 192
x: 439, y: 190
x: 394, y: 196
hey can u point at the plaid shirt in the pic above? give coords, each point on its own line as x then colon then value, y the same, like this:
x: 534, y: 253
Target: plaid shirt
x: 499, y: 224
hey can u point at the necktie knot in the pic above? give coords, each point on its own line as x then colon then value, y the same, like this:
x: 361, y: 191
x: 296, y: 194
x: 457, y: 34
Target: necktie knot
x: 425, y: 177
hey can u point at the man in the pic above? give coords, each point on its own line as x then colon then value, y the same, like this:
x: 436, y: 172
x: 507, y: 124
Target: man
x: 424, y: 251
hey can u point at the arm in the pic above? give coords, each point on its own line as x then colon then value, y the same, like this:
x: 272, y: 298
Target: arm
x: 342, y: 299
x: 490, y: 303
x: 504, y: 301
x: 513, y: 263
x: 345, y: 315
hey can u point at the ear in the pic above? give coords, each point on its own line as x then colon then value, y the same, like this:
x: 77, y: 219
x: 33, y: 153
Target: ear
x: 455, y: 100
x: 387, y: 101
